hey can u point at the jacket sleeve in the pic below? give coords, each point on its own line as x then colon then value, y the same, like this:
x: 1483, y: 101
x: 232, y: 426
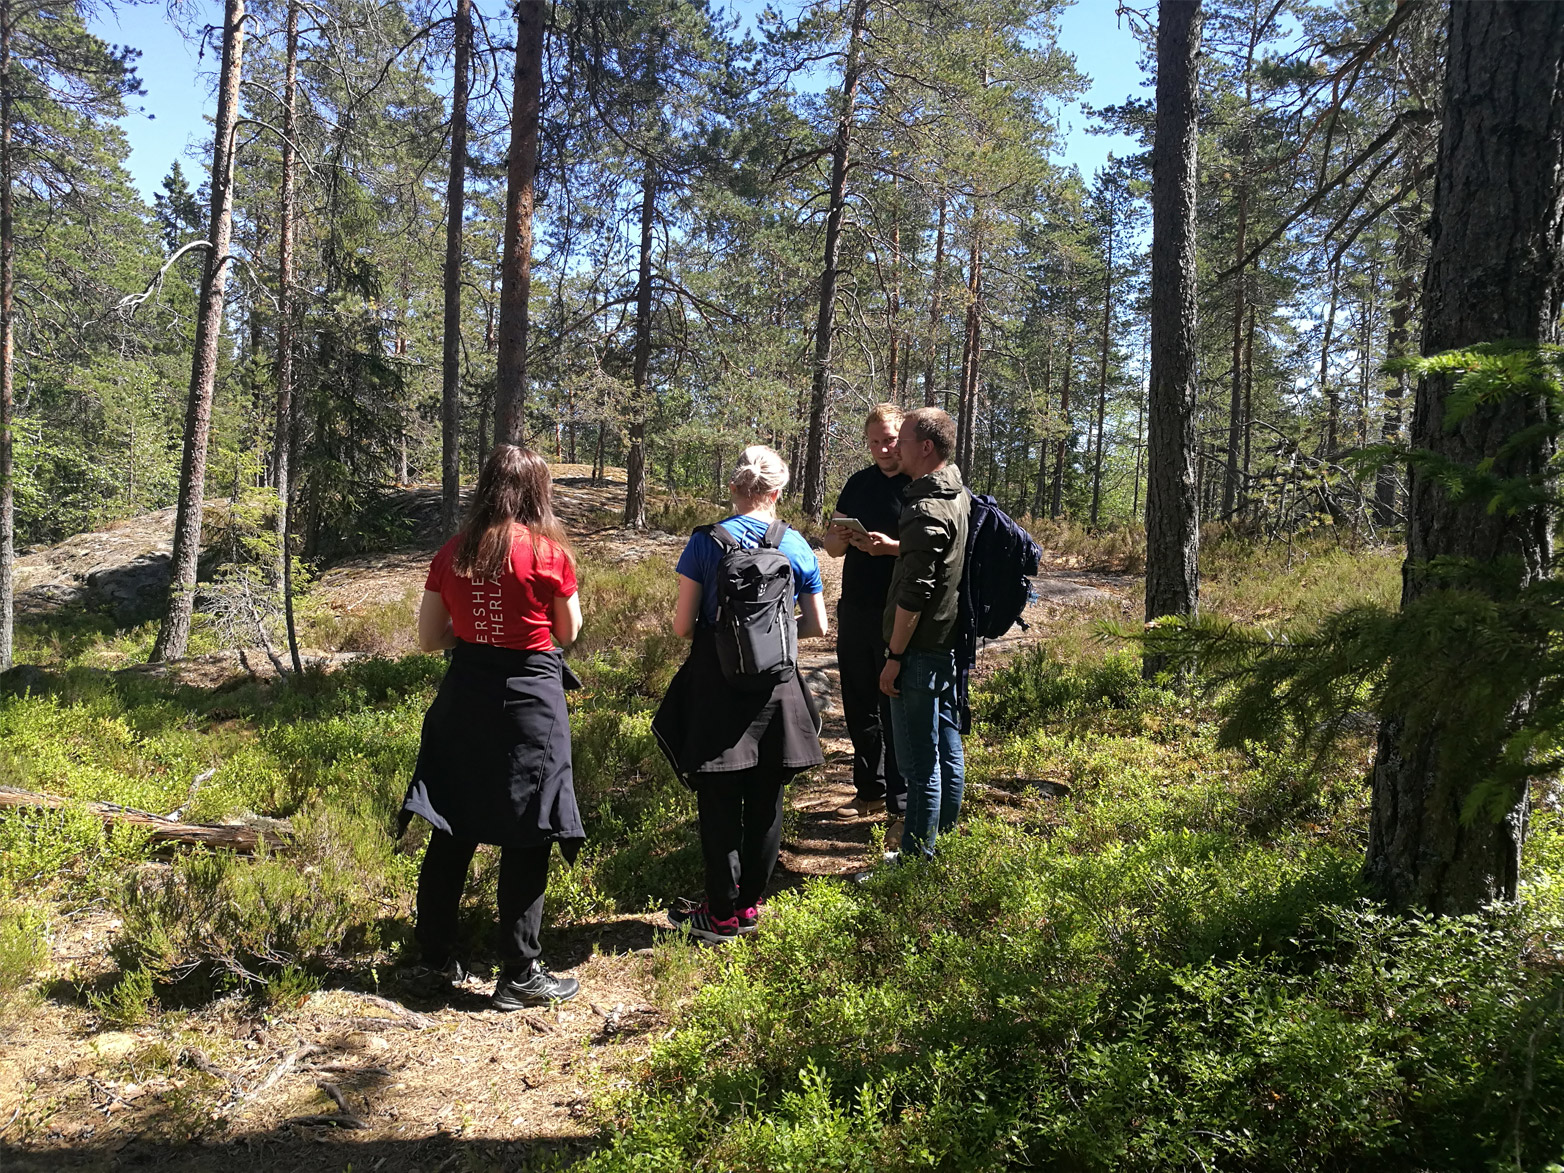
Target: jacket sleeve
x: 924, y: 543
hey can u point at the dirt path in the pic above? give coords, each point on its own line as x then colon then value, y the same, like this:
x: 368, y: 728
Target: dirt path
x: 444, y: 1087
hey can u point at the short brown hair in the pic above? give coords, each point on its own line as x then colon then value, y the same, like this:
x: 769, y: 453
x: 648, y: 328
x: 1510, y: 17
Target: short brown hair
x: 885, y: 413
x: 933, y: 425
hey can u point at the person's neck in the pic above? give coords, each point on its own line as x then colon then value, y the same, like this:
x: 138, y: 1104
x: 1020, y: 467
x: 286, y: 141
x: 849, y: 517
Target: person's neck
x: 759, y: 512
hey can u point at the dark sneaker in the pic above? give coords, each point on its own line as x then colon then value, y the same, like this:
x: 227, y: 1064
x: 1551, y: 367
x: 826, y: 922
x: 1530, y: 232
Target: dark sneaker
x: 698, y: 922
x: 533, y: 987
x: 749, y: 919
x: 431, y: 980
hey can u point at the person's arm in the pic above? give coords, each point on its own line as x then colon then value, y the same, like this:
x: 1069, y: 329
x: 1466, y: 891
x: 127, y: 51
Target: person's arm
x: 688, y: 608
x: 922, y: 548
x: 435, y: 632
x: 566, y: 618
x: 812, y: 619
x: 905, y: 624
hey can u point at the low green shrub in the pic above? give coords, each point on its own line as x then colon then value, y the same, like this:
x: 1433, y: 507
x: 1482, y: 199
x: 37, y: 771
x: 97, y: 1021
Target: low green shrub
x: 1035, y: 686
x: 1117, y: 548
x: 214, y: 920
x: 128, y: 1003
x: 24, y: 947
x: 1185, y: 1005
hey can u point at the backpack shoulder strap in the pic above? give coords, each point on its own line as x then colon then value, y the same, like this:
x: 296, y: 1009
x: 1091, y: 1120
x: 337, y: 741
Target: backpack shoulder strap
x: 718, y: 533
x: 774, y: 533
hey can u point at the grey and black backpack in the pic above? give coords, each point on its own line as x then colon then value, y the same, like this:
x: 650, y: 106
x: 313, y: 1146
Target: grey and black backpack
x: 757, y: 633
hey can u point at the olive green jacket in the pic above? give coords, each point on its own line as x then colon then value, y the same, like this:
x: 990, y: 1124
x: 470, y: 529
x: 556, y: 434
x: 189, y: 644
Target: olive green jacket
x: 927, y: 575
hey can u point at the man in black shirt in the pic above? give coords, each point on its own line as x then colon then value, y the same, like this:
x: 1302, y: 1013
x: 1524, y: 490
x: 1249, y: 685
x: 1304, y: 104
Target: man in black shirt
x: 872, y: 496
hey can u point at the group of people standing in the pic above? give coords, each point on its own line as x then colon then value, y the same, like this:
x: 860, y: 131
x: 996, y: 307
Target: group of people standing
x: 494, y: 759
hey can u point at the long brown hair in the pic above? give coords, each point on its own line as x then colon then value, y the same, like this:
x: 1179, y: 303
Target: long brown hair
x: 513, y: 486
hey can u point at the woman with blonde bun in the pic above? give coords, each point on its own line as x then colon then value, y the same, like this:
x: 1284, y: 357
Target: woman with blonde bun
x: 738, y: 747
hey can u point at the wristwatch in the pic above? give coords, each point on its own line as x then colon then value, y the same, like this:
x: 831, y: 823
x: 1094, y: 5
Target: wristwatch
x: 890, y: 655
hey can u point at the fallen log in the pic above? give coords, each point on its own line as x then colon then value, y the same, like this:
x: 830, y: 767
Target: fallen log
x: 245, y: 840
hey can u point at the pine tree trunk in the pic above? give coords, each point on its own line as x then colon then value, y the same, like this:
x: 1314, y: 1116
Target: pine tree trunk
x: 971, y: 342
x: 1056, y: 506
x: 1495, y: 272
x: 1040, y: 488
x: 7, y: 352
x: 510, y: 390
x: 1102, y: 374
x: 814, y: 449
x: 282, y: 431
x: 929, y: 398
x: 893, y: 311
x: 1397, y: 344
x: 1235, y: 405
x: 1331, y: 397
x: 1243, y: 484
x: 1172, y: 515
x: 635, y: 462
x: 174, y: 636
x: 451, y: 347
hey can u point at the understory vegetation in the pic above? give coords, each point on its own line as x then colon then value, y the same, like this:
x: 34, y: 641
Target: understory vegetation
x: 1140, y: 952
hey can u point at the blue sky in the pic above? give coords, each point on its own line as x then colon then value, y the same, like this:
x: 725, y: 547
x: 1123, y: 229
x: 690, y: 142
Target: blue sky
x: 179, y: 89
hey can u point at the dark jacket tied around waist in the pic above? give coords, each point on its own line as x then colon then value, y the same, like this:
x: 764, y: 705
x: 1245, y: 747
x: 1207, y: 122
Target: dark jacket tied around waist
x: 706, y: 727
x: 494, y: 760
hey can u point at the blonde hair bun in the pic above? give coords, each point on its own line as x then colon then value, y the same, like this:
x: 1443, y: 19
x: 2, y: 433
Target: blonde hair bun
x: 759, y: 470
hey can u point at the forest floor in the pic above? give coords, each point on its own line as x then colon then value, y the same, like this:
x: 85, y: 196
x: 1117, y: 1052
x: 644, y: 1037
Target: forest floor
x: 412, y: 1084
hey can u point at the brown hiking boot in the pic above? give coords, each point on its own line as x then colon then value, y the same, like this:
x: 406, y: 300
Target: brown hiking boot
x: 860, y: 807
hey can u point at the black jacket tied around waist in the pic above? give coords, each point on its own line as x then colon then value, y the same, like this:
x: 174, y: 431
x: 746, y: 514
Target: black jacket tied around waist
x: 494, y: 759
x: 706, y: 727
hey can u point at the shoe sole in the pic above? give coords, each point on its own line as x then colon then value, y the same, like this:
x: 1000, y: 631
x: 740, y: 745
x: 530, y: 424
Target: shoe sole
x: 531, y: 1003
x: 706, y: 935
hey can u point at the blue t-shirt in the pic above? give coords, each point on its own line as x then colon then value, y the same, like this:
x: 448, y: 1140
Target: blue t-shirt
x: 702, y: 554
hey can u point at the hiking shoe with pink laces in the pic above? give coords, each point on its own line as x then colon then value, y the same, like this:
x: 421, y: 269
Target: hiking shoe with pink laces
x: 698, y: 922
x: 749, y: 919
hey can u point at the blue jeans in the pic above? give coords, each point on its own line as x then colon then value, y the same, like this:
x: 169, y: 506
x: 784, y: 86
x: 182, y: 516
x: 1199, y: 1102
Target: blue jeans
x: 928, y: 747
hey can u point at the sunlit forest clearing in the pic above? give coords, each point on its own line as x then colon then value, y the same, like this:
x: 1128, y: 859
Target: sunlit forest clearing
x: 1260, y: 864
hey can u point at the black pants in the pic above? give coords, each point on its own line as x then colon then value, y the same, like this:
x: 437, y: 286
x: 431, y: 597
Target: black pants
x: 860, y: 655
x: 741, y: 835
x: 523, y: 877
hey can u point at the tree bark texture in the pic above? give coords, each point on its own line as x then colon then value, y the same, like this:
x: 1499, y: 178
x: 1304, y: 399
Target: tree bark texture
x: 510, y: 397
x: 635, y: 460
x: 1102, y: 373
x: 1235, y: 405
x: 825, y: 324
x: 971, y: 357
x: 1172, y: 514
x: 1062, y: 444
x: 938, y: 275
x: 1397, y: 345
x: 7, y: 353
x: 1332, y: 398
x: 1495, y: 272
x: 451, y: 343
x: 282, y: 434
x: 174, y: 636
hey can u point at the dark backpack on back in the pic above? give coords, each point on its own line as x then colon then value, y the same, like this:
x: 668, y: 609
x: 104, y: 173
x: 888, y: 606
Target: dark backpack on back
x: 995, y: 586
x: 757, y: 634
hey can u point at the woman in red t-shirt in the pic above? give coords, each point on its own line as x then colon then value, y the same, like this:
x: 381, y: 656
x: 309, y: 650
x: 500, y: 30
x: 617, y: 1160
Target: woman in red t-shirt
x: 494, y: 760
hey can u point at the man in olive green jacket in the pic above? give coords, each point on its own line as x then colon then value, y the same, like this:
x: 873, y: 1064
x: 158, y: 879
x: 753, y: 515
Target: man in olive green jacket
x: 920, y: 628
